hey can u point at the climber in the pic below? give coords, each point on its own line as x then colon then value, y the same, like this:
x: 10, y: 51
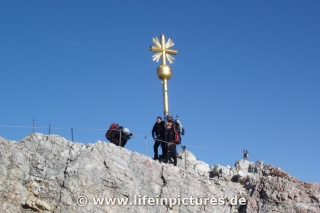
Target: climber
x: 171, y: 147
x: 176, y: 125
x: 245, y: 154
x: 158, y: 136
x: 220, y: 173
x: 122, y: 135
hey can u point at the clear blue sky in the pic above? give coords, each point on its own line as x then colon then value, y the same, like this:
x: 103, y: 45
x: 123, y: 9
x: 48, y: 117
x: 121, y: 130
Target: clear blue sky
x: 246, y: 74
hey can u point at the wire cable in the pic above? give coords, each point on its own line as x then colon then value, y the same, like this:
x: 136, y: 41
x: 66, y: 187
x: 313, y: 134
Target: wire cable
x: 136, y: 134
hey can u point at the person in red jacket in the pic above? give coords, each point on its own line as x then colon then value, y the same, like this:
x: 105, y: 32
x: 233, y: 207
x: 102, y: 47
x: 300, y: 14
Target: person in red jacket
x: 171, y: 147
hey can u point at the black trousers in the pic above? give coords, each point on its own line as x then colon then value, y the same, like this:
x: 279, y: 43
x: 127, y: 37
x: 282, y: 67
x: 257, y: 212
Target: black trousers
x: 116, y: 142
x: 157, y: 143
x: 172, y: 153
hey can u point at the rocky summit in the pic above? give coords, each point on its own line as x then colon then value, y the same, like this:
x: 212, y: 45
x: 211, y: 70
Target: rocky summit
x: 47, y: 173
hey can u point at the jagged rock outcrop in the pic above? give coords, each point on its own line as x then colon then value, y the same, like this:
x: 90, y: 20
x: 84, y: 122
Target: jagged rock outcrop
x: 47, y: 173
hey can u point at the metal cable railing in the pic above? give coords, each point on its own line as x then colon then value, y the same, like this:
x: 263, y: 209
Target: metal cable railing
x: 106, y: 129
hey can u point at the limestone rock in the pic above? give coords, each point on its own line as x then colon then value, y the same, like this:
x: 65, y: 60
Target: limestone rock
x: 47, y: 173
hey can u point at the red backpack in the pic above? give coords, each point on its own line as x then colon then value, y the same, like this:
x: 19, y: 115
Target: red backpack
x: 176, y: 138
x: 110, y: 131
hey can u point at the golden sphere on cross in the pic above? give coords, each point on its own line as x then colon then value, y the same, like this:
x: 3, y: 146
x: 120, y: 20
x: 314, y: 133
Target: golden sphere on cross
x: 164, y: 72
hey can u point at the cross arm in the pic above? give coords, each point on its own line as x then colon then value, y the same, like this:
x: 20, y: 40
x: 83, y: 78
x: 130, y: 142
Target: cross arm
x: 157, y: 49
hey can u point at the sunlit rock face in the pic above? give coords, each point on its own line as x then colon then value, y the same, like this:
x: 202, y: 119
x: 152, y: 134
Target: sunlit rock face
x: 47, y: 173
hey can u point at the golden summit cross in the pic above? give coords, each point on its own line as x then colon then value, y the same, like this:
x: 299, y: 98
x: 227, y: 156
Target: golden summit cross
x: 163, y: 50
x: 164, y: 71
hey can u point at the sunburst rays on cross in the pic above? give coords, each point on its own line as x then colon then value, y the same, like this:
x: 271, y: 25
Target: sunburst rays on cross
x: 163, y: 49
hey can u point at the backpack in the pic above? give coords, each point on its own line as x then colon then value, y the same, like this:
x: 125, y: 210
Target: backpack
x: 176, y: 138
x: 110, y: 131
x: 179, y: 126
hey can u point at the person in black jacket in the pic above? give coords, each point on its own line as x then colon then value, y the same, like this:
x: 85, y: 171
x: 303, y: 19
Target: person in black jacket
x: 158, y: 136
x: 171, y: 147
x: 125, y: 136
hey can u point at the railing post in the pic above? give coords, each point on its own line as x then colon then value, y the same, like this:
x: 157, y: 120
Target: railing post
x: 145, y: 147
x: 72, y: 134
x: 185, y: 157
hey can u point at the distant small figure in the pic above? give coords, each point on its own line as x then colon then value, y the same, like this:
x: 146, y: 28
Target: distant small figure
x: 158, y: 136
x: 220, y: 173
x: 245, y: 154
